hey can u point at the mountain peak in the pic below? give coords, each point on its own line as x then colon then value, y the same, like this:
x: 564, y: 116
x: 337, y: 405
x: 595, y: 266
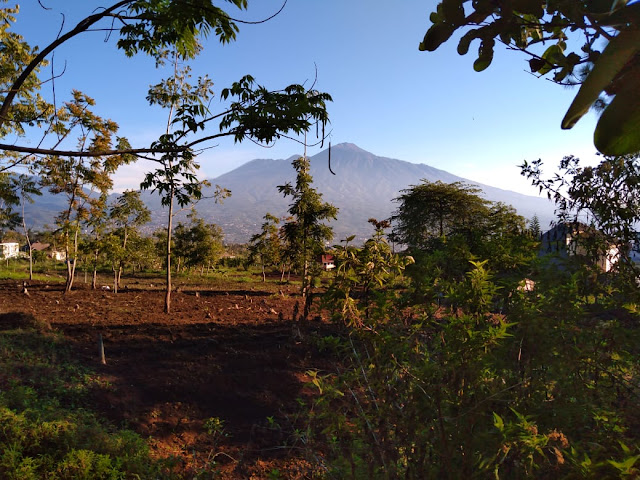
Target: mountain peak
x: 351, y: 147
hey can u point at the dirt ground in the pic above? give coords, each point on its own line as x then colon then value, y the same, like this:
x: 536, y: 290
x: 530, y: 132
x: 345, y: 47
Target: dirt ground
x: 228, y: 351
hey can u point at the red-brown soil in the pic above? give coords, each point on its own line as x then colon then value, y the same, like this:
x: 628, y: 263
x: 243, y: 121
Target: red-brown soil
x: 229, y: 351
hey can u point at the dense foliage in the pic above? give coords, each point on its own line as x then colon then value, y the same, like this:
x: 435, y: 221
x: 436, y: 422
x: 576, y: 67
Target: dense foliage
x: 447, y: 226
x: 486, y: 379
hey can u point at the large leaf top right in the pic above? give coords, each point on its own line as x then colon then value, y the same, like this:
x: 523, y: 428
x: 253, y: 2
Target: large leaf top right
x: 594, y: 44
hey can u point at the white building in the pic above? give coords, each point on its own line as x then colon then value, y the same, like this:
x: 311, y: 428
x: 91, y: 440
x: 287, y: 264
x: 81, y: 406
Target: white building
x: 9, y: 249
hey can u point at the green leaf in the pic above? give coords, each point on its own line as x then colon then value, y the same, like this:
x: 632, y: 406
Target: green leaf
x: 485, y: 54
x: 614, y: 57
x: 552, y: 56
x: 498, y: 422
x: 482, y: 63
x: 626, y: 465
x: 465, y: 41
x: 435, y: 36
x: 618, y: 129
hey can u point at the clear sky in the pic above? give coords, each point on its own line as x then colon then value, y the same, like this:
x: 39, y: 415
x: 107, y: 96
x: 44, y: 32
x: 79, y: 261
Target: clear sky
x: 389, y: 98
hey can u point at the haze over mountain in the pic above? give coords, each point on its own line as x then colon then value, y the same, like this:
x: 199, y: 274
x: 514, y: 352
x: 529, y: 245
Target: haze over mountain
x: 363, y: 187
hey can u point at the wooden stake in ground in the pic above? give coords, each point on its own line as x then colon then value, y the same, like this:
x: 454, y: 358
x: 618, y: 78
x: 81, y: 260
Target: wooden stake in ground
x: 103, y: 360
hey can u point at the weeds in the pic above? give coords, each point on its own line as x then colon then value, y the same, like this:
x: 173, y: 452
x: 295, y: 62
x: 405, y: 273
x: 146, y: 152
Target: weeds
x: 46, y: 427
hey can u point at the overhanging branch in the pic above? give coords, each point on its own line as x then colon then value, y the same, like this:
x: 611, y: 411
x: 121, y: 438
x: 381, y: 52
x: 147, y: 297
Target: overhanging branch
x: 76, y: 153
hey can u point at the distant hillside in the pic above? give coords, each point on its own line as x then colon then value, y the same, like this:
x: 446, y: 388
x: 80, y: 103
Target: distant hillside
x: 363, y: 187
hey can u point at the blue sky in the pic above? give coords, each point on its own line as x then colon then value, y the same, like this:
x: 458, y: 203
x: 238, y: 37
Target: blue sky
x: 389, y: 98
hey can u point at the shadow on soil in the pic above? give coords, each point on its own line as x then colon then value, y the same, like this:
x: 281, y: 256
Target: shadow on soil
x: 189, y: 373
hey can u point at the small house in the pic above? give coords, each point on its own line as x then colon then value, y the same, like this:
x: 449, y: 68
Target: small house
x: 576, y: 239
x: 327, y: 261
x: 58, y: 255
x: 9, y: 249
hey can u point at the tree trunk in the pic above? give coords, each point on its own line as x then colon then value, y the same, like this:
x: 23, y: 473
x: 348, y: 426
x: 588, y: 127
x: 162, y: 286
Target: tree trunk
x: 305, y: 290
x: 94, y: 278
x: 68, y: 281
x: 30, y: 260
x: 26, y: 236
x: 264, y: 276
x: 167, y: 296
x: 116, y: 279
x: 124, y: 249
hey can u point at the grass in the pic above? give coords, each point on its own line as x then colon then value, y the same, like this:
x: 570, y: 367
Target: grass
x: 18, y: 269
x: 47, y: 428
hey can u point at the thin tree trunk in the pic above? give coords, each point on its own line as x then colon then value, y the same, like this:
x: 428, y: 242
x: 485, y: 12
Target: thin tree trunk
x: 68, y: 281
x: 30, y: 260
x: 167, y: 297
x: 264, y: 276
x: 26, y: 236
x: 71, y: 266
x: 94, y: 278
x: 124, y: 249
x: 305, y: 290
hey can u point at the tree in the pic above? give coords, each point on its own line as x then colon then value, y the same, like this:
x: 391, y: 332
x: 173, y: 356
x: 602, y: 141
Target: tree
x: 265, y: 247
x: 434, y: 210
x: 363, y: 273
x: 152, y: 28
x: 198, y: 243
x: 84, y: 180
x: 527, y: 26
x: 447, y: 227
x: 176, y: 179
x: 97, y: 241
x: 9, y: 198
x: 306, y: 234
x: 26, y: 188
x: 534, y: 227
x: 128, y: 213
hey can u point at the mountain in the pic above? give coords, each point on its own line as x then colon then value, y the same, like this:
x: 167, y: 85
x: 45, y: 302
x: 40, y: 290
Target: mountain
x: 363, y: 187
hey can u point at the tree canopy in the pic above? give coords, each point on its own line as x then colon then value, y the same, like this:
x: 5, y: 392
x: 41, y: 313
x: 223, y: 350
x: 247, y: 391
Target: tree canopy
x: 160, y: 30
x: 595, y: 44
x: 433, y: 210
x: 448, y: 226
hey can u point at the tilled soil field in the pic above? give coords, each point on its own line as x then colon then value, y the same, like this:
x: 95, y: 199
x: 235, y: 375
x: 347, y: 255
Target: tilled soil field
x: 216, y: 383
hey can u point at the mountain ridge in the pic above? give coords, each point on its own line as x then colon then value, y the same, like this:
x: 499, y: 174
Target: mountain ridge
x: 362, y: 187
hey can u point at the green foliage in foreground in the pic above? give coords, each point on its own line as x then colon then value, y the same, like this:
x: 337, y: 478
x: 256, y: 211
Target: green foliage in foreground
x: 546, y: 389
x: 46, y: 429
